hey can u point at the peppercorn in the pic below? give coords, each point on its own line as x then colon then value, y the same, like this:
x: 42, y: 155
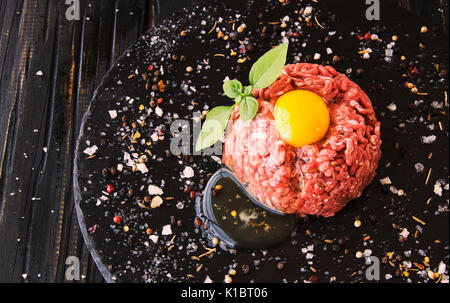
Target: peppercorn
x: 105, y: 172
x: 245, y: 269
x: 336, y: 59
x: 280, y: 265
x: 179, y: 223
x: 110, y: 188
x: 341, y: 241
x: 173, y: 220
x: 113, y: 171
x: 197, y: 221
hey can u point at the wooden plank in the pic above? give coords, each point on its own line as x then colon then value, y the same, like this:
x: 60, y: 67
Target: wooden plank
x: 38, y: 228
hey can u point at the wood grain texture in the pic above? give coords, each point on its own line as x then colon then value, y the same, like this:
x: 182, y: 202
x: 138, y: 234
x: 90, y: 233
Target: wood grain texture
x: 40, y: 117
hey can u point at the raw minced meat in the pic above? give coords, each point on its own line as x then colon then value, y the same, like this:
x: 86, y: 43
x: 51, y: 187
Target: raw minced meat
x: 317, y: 179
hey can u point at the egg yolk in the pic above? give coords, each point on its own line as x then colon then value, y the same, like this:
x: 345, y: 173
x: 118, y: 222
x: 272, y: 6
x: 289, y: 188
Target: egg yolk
x: 301, y: 117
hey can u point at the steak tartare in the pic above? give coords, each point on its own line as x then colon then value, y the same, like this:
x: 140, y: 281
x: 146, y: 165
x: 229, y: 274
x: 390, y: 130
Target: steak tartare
x: 316, y: 179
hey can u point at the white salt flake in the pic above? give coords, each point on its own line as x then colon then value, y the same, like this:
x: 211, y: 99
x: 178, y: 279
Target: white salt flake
x: 154, y: 190
x: 154, y: 238
x: 438, y: 188
x: 404, y: 233
x: 188, y: 172
x: 419, y: 167
x: 142, y: 168
x: 112, y: 114
x: 428, y: 139
x: 385, y: 181
x: 154, y: 137
x: 441, y: 269
x: 158, y: 111
x: 307, y: 11
x: 167, y: 230
x: 91, y: 150
x: 392, y: 107
x: 207, y: 279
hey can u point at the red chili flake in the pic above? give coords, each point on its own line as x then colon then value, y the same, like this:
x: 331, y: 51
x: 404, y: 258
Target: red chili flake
x: 412, y: 71
x: 367, y: 36
x: 116, y: 219
x: 93, y: 229
x: 110, y: 188
x: 242, y: 50
x: 295, y: 35
x: 160, y: 100
x: 150, y: 67
x: 309, y: 23
x: 192, y: 194
x: 360, y: 37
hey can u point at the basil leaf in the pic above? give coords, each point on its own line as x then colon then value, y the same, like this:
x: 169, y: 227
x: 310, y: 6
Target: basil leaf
x: 248, y: 90
x: 238, y: 99
x: 267, y: 69
x: 232, y: 88
x: 214, y: 126
x: 248, y: 109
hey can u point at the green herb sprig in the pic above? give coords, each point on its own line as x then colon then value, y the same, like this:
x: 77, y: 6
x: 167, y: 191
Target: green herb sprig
x: 262, y: 74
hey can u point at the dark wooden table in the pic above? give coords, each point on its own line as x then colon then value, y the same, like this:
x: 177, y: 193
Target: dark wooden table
x: 49, y: 69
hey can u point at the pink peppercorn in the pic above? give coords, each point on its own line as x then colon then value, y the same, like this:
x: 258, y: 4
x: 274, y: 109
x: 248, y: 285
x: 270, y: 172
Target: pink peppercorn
x: 192, y: 194
x: 110, y: 189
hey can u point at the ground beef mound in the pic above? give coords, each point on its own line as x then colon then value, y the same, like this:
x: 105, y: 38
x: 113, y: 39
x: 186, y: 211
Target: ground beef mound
x: 317, y: 179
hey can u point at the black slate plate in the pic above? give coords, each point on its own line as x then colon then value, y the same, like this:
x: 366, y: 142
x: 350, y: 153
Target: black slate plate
x: 317, y: 252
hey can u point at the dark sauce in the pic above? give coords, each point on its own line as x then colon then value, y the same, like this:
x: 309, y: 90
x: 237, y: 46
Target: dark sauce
x: 238, y: 219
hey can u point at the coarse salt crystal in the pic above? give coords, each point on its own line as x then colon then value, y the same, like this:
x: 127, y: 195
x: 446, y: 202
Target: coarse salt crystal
x: 428, y: 139
x: 438, y: 188
x: 167, y: 230
x: 385, y: 181
x: 392, y: 107
x: 154, y: 238
x: 158, y: 111
x: 91, y: 150
x: 419, y: 167
x: 142, y: 168
x: 404, y: 233
x: 307, y: 11
x: 188, y: 172
x: 207, y: 279
x: 154, y: 190
x: 112, y: 114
